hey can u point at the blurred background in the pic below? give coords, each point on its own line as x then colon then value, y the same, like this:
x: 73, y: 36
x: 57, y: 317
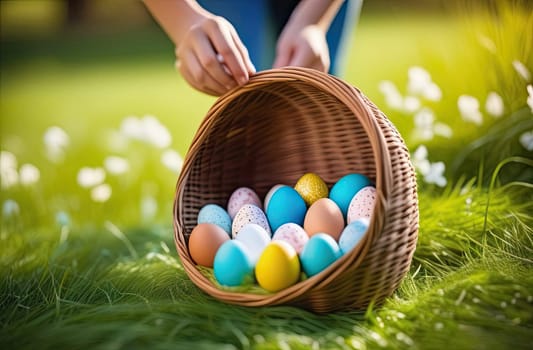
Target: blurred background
x: 95, y: 121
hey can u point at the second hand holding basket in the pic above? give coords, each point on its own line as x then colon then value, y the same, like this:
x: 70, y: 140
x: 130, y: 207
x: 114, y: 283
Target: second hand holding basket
x: 282, y: 124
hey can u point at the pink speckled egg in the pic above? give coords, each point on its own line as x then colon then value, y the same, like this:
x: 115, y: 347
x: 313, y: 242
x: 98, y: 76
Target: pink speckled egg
x: 249, y: 214
x: 362, y: 204
x: 293, y: 234
x: 240, y: 197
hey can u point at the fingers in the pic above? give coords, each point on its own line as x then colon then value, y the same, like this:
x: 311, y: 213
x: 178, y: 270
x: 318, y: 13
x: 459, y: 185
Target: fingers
x: 243, y: 51
x: 223, y: 43
x: 207, y: 58
x: 193, y: 72
x: 212, y: 57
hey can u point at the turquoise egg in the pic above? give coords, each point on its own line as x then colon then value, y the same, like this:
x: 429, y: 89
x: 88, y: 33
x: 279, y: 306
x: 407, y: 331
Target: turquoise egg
x: 345, y: 189
x: 233, y: 265
x: 352, y: 234
x: 286, y: 205
x: 320, y: 251
x: 215, y: 214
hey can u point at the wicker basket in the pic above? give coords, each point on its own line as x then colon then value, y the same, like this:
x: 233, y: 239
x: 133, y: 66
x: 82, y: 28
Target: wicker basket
x: 281, y: 125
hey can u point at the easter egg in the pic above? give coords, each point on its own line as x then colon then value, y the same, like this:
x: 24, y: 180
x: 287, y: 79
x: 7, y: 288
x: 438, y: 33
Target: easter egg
x: 320, y: 251
x: 249, y: 214
x: 362, y: 204
x: 204, y: 241
x: 286, y: 205
x: 311, y: 187
x: 233, y: 264
x: 343, y: 190
x: 293, y: 234
x: 255, y: 238
x: 353, y: 234
x: 240, y: 197
x: 278, y: 267
x: 324, y: 216
x: 269, y: 194
x: 215, y: 214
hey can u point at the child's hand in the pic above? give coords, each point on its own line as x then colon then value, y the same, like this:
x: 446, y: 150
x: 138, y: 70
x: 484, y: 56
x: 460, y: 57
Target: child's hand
x: 212, y: 58
x: 303, y: 47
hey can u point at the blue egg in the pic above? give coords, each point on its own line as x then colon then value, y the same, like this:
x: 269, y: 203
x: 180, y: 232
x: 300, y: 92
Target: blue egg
x: 319, y: 252
x: 352, y: 234
x: 286, y: 205
x: 215, y: 214
x: 344, y: 190
x: 233, y: 265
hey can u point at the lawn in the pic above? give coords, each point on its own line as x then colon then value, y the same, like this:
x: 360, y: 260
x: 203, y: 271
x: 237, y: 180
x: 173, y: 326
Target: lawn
x: 93, y: 130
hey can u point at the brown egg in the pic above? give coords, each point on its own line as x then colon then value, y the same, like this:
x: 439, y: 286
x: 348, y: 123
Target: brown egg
x: 204, y: 241
x: 324, y: 216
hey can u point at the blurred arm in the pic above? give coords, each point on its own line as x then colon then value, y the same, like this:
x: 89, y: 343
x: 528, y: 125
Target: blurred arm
x: 303, y: 40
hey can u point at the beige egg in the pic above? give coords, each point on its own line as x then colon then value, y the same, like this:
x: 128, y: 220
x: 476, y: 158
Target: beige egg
x: 324, y: 216
x: 204, y: 241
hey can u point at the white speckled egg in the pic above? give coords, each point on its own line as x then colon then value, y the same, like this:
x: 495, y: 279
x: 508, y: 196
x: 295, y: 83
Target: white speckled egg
x: 293, y: 234
x: 249, y: 214
x: 362, y: 204
x: 240, y: 197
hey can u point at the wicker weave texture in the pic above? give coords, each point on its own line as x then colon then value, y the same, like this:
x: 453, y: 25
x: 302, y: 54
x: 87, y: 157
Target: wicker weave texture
x: 281, y: 125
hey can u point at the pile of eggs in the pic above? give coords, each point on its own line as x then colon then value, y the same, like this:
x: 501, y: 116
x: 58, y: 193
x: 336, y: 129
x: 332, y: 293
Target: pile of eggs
x: 304, y: 228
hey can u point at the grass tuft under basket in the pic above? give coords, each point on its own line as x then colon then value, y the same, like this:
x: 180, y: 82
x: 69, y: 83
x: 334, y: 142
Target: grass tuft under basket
x: 282, y: 124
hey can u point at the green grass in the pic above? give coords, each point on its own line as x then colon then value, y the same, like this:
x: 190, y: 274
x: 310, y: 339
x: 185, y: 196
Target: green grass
x: 108, y: 276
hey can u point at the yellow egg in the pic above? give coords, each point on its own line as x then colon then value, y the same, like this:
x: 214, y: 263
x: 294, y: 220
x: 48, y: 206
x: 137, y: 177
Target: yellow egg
x: 311, y: 187
x: 278, y: 267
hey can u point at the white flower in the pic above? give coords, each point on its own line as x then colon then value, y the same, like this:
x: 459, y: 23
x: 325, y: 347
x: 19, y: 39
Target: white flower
x: 90, y: 177
x: 526, y: 140
x: 419, y: 83
x: 29, y: 174
x: 494, y: 104
x: 418, y: 80
x: 411, y: 104
x: 101, y: 193
x: 9, y: 176
x: 132, y: 127
x: 10, y: 208
x: 116, y: 165
x: 148, y: 208
x: 172, y: 160
x: 393, y: 98
x: 424, y: 124
x: 530, y: 97
x: 148, y: 129
x: 56, y: 141
x: 157, y: 134
x: 432, y: 92
x: 469, y: 109
x: 522, y: 70
x: 443, y: 130
x: 420, y: 161
x: 8, y: 160
x: 435, y: 174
